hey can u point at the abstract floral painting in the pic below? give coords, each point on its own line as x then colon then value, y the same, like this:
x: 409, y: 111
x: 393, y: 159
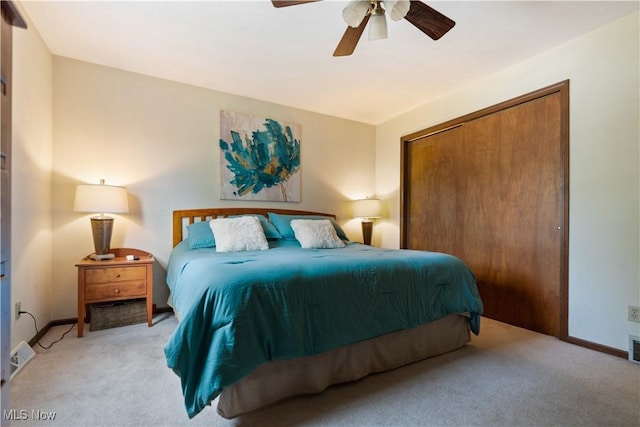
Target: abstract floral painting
x: 259, y: 158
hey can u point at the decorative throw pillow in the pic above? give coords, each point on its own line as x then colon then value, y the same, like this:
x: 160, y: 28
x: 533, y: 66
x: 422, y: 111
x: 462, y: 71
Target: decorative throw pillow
x: 270, y: 230
x: 316, y: 233
x: 238, y: 234
x: 282, y: 223
x: 199, y: 235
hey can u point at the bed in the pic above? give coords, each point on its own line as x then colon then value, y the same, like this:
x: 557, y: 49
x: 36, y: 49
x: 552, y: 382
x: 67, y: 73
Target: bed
x: 259, y: 326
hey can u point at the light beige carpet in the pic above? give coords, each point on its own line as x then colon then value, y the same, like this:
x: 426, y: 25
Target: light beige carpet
x: 507, y: 376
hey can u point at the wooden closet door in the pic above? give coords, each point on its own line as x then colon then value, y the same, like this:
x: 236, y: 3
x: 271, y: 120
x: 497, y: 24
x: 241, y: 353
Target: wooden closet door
x: 490, y: 191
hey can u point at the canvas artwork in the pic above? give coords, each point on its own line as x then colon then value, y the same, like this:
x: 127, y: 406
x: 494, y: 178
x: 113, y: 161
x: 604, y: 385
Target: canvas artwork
x: 259, y: 158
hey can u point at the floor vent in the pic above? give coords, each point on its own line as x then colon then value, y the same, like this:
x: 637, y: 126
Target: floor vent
x: 634, y: 349
x: 21, y: 355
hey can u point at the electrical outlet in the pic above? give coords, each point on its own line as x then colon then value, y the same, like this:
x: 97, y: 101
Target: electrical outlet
x: 18, y: 309
x: 634, y: 314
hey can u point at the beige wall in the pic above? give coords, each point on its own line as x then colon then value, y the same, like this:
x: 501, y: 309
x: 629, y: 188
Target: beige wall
x: 31, y: 234
x: 604, y: 253
x: 160, y: 140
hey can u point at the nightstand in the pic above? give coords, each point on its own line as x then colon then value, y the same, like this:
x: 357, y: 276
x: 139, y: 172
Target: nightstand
x: 115, y: 280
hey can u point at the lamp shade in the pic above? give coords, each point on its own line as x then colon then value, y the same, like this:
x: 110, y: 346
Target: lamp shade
x: 377, y: 27
x: 367, y: 208
x: 397, y: 9
x: 101, y: 199
x: 354, y: 12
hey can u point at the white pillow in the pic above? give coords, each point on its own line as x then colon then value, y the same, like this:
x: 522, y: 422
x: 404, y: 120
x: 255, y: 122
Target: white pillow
x: 243, y: 233
x: 316, y: 233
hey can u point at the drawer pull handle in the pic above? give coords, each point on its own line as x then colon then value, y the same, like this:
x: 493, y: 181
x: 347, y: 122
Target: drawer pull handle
x: 117, y: 291
x: 117, y: 274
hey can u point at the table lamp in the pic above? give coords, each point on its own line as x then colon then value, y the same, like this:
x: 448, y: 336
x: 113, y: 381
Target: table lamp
x: 367, y: 209
x: 101, y: 199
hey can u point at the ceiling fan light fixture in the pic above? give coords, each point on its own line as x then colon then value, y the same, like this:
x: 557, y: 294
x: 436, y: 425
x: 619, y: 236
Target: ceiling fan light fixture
x: 354, y: 12
x: 397, y: 9
x: 377, y: 23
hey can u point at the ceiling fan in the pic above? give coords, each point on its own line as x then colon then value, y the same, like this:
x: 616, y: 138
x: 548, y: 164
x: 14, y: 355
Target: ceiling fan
x: 358, y: 13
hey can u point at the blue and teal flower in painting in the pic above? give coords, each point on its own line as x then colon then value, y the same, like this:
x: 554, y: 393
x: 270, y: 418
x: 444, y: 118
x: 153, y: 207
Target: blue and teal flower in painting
x: 269, y: 158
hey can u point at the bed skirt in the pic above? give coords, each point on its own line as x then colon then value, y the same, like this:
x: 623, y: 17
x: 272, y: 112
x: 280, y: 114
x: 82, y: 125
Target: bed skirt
x: 278, y: 380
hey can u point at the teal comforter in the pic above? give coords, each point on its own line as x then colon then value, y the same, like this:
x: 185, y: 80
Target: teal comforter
x: 240, y: 310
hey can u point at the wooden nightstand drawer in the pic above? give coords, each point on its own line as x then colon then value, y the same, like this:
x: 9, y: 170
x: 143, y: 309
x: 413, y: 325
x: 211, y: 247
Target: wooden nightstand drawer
x: 115, y: 290
x: 115, y: 274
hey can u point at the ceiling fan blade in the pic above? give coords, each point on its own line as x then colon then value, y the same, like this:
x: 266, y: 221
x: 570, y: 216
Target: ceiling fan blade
x: 428, y: 20
x: 285, y: 3
x: 350, y: 38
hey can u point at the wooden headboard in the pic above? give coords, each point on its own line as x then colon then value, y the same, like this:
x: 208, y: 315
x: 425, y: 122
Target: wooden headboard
x: 184, y: 217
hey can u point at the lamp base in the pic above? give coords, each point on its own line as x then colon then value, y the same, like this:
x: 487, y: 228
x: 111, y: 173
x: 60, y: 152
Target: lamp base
x: 367, y: 229
x: 101, y: 226
x: 102, y: 257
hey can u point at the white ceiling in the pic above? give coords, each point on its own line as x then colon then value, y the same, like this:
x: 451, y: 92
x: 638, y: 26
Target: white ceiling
x: 285, y: 56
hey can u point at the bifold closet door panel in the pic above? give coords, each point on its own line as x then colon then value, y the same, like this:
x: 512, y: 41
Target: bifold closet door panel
x: 490, y: 192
